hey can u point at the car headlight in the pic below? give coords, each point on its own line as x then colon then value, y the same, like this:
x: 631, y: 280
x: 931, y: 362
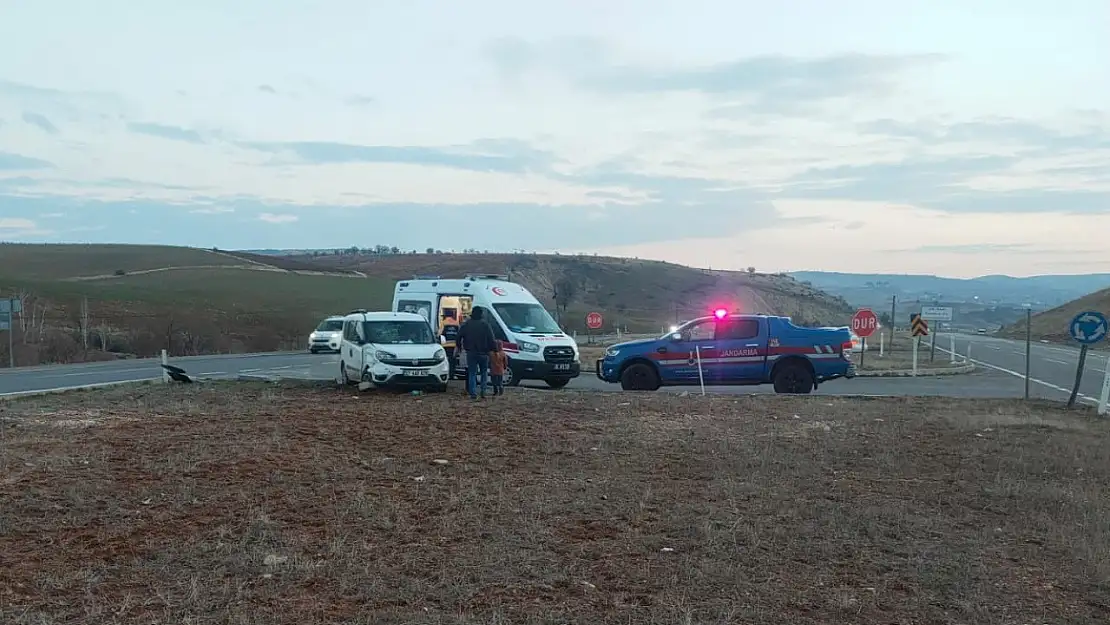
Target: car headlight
x: 440, y: 355
x: 526, y: 346
x: 612, y: 352
x: 385, y: 356
x: 312, y: 337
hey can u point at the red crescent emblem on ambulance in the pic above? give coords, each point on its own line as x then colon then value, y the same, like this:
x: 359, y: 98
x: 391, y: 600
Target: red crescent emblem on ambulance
x: 498, y: 290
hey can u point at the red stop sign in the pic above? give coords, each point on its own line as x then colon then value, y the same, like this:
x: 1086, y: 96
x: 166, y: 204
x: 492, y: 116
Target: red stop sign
x: 594, y: 321
x: 864, y: 322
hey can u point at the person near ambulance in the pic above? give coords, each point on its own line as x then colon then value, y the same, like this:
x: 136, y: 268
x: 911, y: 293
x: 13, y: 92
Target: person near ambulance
x: 476, y: 340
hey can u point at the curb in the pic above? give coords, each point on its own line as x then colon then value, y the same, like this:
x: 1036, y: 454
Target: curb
x: 921, y: 373
x: 83, y: 387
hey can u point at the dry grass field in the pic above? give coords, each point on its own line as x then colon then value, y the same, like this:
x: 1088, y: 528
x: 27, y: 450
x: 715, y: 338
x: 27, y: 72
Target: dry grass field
x: 283, y: 504
x: 900, y: 357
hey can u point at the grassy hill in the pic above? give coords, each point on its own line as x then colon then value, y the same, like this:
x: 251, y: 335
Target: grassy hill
x: 137, y: 300
x: 84, y: 302
x: 1052, y: 325
x: 641, y: 295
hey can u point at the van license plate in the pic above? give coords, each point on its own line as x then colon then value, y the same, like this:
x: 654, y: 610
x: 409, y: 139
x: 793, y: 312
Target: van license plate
x: 415, y: 372
x: 561, y: 367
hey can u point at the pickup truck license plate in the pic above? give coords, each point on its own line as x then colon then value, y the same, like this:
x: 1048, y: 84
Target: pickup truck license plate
x: 416, y: 373
x: 561, y: 367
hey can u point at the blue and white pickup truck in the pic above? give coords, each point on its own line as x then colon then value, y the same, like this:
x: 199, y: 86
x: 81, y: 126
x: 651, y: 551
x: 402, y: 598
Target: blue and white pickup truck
x: 733, y: 350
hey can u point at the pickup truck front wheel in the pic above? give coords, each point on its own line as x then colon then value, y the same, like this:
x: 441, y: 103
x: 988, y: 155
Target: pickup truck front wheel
x: 639, y: 376
x: 793, y: 378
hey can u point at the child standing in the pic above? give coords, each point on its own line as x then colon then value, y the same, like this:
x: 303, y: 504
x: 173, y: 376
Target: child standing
x: 497, y: 363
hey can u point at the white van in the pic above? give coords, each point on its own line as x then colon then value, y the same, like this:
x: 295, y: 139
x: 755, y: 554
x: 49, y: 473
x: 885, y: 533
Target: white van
x: 536, y: 347
x: 392, y: 349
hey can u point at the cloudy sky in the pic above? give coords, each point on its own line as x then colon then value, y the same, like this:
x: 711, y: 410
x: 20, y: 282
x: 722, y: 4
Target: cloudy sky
x: 925, y: 136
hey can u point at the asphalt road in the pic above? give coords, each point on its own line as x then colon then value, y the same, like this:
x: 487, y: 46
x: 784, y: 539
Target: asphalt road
x: 1001, y: 366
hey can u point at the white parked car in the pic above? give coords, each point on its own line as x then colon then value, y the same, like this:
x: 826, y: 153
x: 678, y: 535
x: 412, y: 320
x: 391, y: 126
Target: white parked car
x: 327, y: 336
x: 392, y: 349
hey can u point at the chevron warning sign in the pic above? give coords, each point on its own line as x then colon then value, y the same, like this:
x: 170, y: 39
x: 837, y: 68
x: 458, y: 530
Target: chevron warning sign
x: 919, y: 326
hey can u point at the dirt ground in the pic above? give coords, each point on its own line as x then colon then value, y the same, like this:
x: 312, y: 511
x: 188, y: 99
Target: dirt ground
x: 255, y: 504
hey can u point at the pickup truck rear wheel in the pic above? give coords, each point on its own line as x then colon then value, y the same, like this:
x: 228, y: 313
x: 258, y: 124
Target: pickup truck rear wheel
x: 793, y: 378
x: 639, y: 376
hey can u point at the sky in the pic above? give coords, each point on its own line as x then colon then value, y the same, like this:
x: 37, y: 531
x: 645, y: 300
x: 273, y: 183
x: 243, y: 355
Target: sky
x: 863, y: 136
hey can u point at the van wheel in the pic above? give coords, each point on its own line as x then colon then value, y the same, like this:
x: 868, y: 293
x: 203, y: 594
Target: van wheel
x: 508, y: 378
x: 639, y: 377
x: 793, y: 378
x: 343, y: 379
x: 557, y: 382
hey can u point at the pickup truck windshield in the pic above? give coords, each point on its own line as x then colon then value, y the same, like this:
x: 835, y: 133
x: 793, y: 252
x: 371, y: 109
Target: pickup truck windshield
x: 330, y: 325
x: 397, y: 332
x: 527, y: 318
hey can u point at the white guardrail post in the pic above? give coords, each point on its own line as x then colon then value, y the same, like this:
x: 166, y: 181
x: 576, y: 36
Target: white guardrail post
x: 165, y: 361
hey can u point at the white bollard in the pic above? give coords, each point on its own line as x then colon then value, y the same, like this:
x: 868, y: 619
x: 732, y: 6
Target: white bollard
x: 968, y: 359
x: 952, y: 351
x: 165, y: 361
x: 1104, y: 398
x: 701, y: 378
x: 916, y: 340
x: 882, y: 343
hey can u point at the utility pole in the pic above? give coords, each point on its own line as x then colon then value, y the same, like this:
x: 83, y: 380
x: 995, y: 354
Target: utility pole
x: 1029, y: 347
x: 893, y: 319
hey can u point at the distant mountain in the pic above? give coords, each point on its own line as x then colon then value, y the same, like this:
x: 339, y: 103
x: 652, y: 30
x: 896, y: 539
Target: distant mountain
x: 986, y: 301
x: 1041, y: 291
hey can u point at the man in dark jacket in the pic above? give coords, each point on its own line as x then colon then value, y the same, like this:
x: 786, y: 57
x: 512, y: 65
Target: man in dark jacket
x: 477, y: 340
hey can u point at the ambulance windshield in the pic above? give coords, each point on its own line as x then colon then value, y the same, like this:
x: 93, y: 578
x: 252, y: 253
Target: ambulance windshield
x: 527, y: 318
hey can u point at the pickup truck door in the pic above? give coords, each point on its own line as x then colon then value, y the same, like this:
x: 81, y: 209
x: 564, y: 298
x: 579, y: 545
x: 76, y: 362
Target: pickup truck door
x: 681, y: 357
x: 741, y: 349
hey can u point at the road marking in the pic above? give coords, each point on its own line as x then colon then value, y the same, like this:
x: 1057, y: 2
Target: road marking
x: 248, y: 370
x: 212, y: 373
x: 994, y: 347
x: 108, y: 372
x: 1059, y: 362
x: 276, y: 368
x: 1050, y: 385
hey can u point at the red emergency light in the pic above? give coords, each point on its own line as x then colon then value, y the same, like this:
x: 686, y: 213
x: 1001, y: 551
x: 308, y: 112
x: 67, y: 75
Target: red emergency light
x: 720, y: 313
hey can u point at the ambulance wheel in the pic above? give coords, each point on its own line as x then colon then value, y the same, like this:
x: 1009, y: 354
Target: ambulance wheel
x: 794, y: 378
x: 557, y: 382
x: 639, y: 376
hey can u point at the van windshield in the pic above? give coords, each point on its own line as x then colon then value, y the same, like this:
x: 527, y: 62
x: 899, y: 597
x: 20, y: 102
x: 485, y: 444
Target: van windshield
x: 398, y: 332
x: 527, y: 318
x: 330, y: 325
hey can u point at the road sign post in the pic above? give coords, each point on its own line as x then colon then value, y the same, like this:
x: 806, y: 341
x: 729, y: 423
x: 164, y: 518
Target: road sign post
x: 952, y: 350
x: 1087, y: 328
x: 935, y: 313
x: 916, y: 340
x: 864, y: 324
x: 1104, y: 397
x: 918, y: 328
x: 594, y: 321
x: 8, y: 308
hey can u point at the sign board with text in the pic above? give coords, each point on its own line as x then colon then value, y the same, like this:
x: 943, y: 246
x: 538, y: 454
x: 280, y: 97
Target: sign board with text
x: 936, y: 313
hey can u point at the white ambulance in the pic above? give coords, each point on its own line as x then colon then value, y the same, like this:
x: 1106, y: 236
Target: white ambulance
x: 536, y: 347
